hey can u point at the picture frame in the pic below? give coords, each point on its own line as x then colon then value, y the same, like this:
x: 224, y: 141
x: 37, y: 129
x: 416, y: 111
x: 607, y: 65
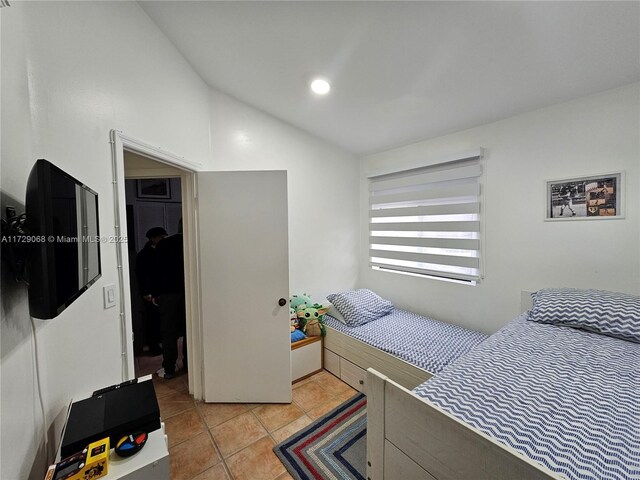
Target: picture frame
x: 154, y: 188
x: 589, y: 197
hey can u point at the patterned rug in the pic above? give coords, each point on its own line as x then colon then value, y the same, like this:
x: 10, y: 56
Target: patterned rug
x: 334, y: 447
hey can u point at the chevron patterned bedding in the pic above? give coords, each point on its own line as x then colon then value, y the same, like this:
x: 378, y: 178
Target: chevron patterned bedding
x: 610, y: 313
x: 567, y: 398
x: 421, y: 341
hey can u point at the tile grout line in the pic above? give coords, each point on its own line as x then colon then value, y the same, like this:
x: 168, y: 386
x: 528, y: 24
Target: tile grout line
x: 199, y: 411
x: 268, y: 434
x: 207, y: 430
x: 261, y: 424
x: 272, y: 439
x: 213, y: 441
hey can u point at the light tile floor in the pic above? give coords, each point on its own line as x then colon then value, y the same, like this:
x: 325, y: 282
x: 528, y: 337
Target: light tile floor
x: 227, y: 441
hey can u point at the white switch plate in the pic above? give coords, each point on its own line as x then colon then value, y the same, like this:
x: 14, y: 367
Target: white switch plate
x: 109, y: 294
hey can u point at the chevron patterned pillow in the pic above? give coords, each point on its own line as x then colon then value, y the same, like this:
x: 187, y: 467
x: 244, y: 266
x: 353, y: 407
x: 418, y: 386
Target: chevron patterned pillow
x: 360, y: 306
x: 599, y: 311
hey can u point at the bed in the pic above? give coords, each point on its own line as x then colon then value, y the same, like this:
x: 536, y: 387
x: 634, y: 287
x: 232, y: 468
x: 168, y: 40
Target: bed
x: 406, y: 346
x: 537, y: 400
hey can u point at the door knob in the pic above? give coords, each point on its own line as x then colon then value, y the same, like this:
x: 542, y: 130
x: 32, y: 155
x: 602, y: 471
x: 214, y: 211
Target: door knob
x: 282, y: 302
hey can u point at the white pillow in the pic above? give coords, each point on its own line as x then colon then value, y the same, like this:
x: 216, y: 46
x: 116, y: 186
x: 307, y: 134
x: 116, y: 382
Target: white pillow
x: 333, y: 311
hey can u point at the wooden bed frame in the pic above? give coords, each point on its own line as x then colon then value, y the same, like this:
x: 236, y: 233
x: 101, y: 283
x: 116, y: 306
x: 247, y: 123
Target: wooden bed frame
x: 409, y: 437
x: 365, y: 356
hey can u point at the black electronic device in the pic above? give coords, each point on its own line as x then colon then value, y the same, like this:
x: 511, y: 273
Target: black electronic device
x: 114, y: 387
x: 62, y: 221
x: 114, y: 414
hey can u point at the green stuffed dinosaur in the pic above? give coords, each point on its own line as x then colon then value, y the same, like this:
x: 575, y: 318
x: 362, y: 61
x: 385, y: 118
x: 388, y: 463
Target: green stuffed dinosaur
x: 300, y: 301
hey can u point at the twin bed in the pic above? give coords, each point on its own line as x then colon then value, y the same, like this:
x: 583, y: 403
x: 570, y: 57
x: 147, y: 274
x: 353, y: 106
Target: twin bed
x: 404, y: 345
x: 539, y: 399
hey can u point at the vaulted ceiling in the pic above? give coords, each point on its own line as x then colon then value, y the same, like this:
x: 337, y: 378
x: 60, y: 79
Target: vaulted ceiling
x: 403, y: 71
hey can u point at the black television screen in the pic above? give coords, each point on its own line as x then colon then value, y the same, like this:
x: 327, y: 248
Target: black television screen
x: 62, y: 218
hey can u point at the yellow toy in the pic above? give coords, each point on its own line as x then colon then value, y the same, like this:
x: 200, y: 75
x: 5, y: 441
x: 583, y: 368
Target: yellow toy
x: 91, y: 463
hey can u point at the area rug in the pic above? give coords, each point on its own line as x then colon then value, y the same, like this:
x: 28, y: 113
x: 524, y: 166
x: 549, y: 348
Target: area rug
x: 334, y: 447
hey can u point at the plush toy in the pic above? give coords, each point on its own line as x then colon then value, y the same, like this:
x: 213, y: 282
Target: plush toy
x: 300, y: 301
x: 311, y: 320
x: 314, y: 328
x: 296, y: 335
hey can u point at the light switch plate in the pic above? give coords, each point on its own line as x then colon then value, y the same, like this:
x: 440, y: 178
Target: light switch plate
x: 109, y: 294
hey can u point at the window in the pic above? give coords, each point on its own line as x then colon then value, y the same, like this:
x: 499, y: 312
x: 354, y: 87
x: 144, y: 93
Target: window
x: 426, y: 221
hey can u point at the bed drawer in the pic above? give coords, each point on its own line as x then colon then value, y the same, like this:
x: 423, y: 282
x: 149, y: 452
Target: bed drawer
x: 332, y: 362
x: 352, y: 374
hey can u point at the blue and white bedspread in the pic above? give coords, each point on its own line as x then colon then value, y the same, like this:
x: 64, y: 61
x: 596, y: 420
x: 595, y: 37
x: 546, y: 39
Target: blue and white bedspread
x: 421, y: 341
x: 567, y: 398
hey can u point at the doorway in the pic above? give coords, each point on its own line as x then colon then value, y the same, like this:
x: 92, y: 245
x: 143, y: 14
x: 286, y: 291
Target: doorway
x: 148, y: 161
x: 155, y: 253
x: 246, y: 246
x: 154, y: 212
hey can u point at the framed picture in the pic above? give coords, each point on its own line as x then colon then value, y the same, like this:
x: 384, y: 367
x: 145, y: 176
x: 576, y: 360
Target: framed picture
x: 594, y: 197
x: 156, y: 188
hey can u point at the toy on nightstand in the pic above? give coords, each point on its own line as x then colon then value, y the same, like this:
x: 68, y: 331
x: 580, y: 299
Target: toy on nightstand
x: 296, y: 334
x: 312, y: 320
x: 300, y: 301
x: 308, y: 314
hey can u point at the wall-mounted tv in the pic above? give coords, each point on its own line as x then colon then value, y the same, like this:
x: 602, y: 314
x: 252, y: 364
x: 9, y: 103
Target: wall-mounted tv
x: 62, y: 218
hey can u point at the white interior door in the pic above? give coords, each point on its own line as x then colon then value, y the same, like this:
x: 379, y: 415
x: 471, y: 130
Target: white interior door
x: 244, y: 272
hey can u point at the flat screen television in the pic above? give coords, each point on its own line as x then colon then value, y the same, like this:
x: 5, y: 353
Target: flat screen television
x: 62, y: 219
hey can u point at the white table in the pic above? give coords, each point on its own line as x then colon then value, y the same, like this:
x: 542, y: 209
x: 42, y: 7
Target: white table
x: 150, y: 463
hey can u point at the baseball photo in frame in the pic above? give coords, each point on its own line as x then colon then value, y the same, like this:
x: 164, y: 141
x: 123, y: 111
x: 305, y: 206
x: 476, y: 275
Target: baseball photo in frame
x: 585, y: 198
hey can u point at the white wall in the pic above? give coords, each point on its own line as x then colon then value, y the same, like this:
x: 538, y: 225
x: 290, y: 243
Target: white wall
x: 70, y: 73
x: 591, y: 135
x: 73, y: 71
x: 323, y: 191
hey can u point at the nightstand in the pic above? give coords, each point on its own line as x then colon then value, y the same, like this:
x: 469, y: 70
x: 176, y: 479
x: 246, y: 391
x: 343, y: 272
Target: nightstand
x: 306, y: 357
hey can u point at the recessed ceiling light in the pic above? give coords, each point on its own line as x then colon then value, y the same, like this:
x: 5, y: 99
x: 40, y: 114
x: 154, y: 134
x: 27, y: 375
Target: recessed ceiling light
x: 320, y: 86
x: 242, y: 138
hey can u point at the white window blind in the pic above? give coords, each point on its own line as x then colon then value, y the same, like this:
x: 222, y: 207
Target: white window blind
x: 426, y: 221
